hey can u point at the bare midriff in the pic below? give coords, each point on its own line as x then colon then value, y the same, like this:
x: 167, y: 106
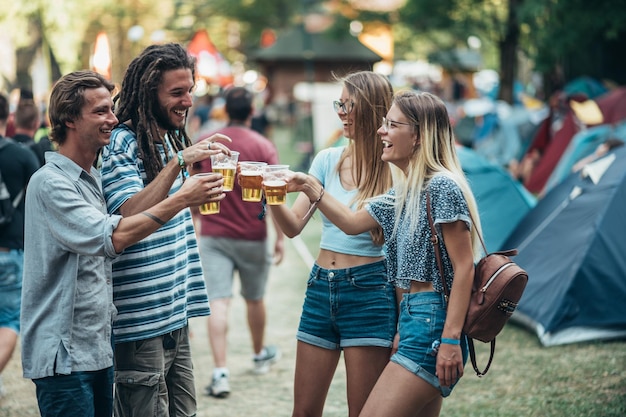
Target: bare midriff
x: 418, y: 286
x: 334, y: 260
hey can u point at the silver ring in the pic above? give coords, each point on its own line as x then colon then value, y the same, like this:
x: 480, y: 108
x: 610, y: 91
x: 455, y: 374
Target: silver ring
x: 209, y: 145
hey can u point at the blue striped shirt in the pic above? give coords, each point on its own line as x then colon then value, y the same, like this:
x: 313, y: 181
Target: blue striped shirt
x: 157, y: 283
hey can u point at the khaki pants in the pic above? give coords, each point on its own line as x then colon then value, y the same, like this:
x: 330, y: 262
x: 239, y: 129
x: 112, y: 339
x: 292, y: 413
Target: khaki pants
x: 154, y: 377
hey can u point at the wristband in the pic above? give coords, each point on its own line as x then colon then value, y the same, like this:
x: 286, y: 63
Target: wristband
x: 181, y: 160
x: 455, y: 342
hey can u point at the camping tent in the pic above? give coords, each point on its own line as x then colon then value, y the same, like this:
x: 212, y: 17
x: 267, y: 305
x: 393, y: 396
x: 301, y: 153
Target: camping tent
x: 572, y: 246
x: 583, y: 144
x: 613, y: 108
x: 502, y: 201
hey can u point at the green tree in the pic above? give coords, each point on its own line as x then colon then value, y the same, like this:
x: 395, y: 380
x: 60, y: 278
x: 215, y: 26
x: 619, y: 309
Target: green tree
x: 573, y: 37
x: 495, y: 22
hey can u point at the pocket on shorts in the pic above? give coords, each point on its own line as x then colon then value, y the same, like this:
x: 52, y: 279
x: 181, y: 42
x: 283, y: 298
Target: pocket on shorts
x: 427, y: 320
x: 8, y: 272
x: 137, y: 390
x: 375, y: 281
x: 312, y: 278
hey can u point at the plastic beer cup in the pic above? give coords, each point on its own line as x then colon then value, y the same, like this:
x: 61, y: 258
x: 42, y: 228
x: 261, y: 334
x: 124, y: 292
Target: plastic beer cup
x: 226, y: 165
x: 251, y: 180
x: 274, y: 184
x: 211, y: 207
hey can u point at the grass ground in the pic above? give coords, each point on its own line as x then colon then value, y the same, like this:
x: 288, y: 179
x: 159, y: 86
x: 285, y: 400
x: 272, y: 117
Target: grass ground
x: 525, y: 380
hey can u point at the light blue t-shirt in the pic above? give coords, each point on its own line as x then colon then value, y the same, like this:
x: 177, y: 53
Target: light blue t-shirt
x: 324, y: 168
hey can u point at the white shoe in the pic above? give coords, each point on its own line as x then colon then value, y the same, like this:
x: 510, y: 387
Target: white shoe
x: 269, y: 356
x: 219, y: 387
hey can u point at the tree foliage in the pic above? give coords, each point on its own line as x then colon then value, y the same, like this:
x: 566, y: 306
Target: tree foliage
x: 553, y: 30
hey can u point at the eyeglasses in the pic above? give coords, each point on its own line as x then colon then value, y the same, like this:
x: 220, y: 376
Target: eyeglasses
x: 387, y: 123
x: 346, y: 106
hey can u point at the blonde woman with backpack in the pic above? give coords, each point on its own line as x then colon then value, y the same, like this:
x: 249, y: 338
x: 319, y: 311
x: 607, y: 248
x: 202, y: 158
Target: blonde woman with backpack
x: 432, y: 350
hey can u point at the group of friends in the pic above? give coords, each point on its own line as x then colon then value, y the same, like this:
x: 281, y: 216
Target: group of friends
x: 117, y: 259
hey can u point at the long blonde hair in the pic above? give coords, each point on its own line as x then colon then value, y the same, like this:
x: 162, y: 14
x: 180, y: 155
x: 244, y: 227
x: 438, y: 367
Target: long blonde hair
x: 372, y: 94
x: 435, y: 154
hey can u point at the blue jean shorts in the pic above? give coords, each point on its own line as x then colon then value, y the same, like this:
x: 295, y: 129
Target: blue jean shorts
x: 422, y: 316
x: 11, y: 268
x: 349, y: 307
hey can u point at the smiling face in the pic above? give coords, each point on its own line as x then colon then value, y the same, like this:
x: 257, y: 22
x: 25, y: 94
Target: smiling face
x: 174, y: 99
x: 96, y: 120
x: 399, y: 138
x: 346, y: 113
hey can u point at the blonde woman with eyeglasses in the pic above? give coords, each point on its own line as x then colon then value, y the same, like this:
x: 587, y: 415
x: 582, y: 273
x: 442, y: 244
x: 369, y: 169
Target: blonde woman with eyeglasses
x: 432, y: 350
x: 350, y: 304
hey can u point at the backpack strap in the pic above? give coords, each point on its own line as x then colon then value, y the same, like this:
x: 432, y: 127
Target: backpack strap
x: 472, y: 353
x: 435, y: 241
x: 16, y: 201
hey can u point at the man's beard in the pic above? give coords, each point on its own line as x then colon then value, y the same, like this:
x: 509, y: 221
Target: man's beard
x: 163, y: 120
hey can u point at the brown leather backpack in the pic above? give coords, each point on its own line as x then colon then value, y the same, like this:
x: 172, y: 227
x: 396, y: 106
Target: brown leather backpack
x: 498, y: 286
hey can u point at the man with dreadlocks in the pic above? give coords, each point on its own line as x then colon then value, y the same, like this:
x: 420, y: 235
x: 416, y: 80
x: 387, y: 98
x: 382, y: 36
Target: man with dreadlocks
x: 157, y: 283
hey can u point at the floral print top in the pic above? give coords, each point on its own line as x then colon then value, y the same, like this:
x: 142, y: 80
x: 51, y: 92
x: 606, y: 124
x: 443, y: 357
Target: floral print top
x: 411, y: 257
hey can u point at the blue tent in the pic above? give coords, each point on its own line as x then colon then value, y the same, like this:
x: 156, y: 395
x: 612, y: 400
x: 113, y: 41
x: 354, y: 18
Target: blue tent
x: 502, y: 201
x: 573, y: 246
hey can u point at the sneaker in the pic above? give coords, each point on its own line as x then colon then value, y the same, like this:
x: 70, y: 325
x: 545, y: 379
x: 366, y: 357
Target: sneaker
x: 269, y: 356
x: 219, y: 387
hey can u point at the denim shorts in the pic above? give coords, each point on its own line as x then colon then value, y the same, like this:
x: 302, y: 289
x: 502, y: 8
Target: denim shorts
x: 11, y: 268
x: 422, y: 316
x: 221, y: 257
x: 349, y: 307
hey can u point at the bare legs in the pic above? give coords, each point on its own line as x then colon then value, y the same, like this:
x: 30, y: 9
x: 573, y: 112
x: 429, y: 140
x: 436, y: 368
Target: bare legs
x: 399, y: 393
x: 8, y: 340
x: 218, y: 327
x: 363, y: 365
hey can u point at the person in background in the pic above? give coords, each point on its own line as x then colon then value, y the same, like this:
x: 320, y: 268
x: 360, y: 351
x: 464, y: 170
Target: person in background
x: 69, y: 243
x: 17, y: 165
x: 349, y: 304
x: 419, y: 143
x: 27, y: 121
x: 157, y: 282
x: 236, y: 240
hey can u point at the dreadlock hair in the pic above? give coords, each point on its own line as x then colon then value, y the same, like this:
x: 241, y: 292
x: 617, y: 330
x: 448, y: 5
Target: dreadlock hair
x: 138, y: 102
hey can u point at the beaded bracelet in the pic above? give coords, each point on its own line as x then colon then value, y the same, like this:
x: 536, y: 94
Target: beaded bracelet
x: 455, y: 342
x: 314, y: 205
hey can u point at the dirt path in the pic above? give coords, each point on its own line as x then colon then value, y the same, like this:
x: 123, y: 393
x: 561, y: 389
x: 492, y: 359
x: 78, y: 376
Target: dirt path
x: 267, y: 395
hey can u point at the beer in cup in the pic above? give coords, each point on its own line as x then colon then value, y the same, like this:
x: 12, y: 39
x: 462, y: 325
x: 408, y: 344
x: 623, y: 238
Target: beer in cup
x: 212, y: 207
x: 226, y: 165
x: 251, y: 180
x: 274, y: 184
